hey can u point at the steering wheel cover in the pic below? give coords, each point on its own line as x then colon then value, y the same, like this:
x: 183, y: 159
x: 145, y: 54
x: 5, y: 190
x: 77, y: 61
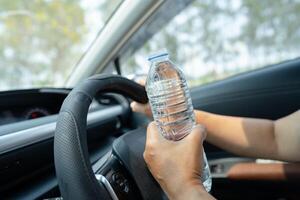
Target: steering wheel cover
x: 73, y: 169
x: 129, y: 149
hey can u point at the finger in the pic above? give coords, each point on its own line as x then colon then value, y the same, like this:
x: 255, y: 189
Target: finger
x: 141, y: 108
x: 198, y: 133
x: 152, y: 132
x: 138, y: 107
x: 142, y: 82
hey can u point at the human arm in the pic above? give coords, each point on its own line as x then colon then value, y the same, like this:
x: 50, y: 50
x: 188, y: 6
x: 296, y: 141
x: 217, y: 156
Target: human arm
x: 253, y: 137
x: 279, y: 139
x: 177, y: 166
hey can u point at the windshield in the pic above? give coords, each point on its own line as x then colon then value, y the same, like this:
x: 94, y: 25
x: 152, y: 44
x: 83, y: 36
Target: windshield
x: 42, y: 40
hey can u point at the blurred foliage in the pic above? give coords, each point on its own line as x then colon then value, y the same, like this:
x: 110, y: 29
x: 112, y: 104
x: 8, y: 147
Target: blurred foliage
x: 216, y: 34
x: 37, y: 38
x: 41, y: 40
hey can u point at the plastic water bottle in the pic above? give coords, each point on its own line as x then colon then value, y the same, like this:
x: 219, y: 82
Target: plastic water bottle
x: 171, y: 104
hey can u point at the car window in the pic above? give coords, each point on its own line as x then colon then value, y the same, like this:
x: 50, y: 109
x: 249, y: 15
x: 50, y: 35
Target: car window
x: 214, y: 39
x: 42, y: 40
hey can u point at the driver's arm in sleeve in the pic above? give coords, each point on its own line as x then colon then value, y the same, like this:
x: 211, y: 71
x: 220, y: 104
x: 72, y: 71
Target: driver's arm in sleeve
x: 279, y: 139
x: 177, y: 166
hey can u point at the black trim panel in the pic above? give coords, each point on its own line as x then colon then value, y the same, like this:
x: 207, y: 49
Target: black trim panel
x: 270, y: 92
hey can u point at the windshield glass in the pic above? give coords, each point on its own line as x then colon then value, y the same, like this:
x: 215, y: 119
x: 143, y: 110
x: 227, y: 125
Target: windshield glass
x: 42, y: 40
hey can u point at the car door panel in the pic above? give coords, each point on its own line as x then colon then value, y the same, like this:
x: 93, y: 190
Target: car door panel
x: 271, y: 92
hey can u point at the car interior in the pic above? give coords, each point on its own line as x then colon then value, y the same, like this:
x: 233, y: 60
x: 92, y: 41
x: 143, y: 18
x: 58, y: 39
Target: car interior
x: 81, y: 140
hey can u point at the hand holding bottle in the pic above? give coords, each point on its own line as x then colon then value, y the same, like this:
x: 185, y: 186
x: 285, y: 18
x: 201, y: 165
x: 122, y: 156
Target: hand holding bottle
x: 139, y: 107
x: 171, y: 104
x: 177, y: 166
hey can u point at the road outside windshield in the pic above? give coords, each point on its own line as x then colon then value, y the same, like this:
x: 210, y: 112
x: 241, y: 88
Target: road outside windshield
x: 42, y: 40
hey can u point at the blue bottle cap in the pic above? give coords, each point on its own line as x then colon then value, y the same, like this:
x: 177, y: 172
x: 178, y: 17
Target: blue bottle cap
x: 157, y: 55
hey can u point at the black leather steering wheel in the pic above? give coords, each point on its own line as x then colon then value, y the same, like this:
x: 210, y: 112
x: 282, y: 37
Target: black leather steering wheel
x: 123, y: 173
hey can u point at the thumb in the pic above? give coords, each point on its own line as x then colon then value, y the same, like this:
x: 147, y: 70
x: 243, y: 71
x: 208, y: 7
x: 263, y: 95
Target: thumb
x: 153, y: 134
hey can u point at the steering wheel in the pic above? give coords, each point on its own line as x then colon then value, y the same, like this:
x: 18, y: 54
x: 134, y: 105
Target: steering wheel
x: 122, y: 173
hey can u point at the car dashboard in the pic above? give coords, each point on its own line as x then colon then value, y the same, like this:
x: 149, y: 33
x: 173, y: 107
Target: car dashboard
x: 22, y: 105
x: 27, y: 126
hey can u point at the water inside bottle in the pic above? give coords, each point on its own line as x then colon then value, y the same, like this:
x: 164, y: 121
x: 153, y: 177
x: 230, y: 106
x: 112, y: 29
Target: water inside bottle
x: 172, y: 110
x: 171, y: 104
